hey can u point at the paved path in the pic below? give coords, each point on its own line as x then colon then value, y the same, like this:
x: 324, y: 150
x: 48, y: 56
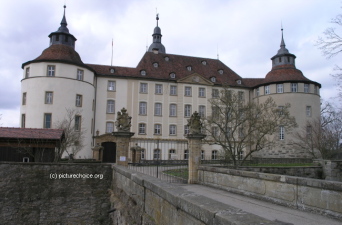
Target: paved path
x: 267, y: 210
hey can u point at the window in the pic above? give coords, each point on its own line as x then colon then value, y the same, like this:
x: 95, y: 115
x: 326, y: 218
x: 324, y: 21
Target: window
x: 308, y: 110
x: 257, y: 92
x: 280, y: 88
x: 48, y: 97
x: 157, y: 109
x: 24, y: 99
x: 214, y: 132
x: 201, y: 92
x: 215, y: 111
x: 142, y: 156
x: 201, y: 110
x: 79, y: 74
x: 156, y: 154
x: 173, y: 90
x: 143, y: 88
x: 213, y: 79
x: 111, y: 85
x: 186, y: 154
x: 294, y: 87
x: 188, y: 68
x: 238, y: 81
x: 143, y: 73
x: 187, y: 110
x: 172, y: 130
x: 57, y: 37
x: 214, y: 155
x: 172, y: 154
x: 281, y: 110
x: 112, y: 70
x: 316, y: 89
x: 204, y: 62
x: 220, y: 72
x: 109, y: 127
x: 159, y: 89
x: 186, y: 129
x: 173, y: 110
x: 202, y: 155
x: 187, y: 91
x: 267, y: 90
x: 281, y: 133
x: 79, y: 100
x: 110, y: 106
x: 157, y: 129
x: 172, y: 75
x: 50, y: 71
x: 306, y: 88
x: 78, y: 121
x: 142, y: 128
x: 155, y: 65
x: 27, y: 72
x: 241, y: 96
x: 215, y: 93
x: 142, y: 108
x: 47, y: 120
x: 308, y: 131
x: 23, y: 120
x: 167, y: 59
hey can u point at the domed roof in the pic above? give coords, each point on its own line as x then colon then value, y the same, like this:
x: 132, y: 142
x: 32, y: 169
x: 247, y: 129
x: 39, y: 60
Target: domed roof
x: 157, y: 30
x: 285, y: 73
x: 59, y: 53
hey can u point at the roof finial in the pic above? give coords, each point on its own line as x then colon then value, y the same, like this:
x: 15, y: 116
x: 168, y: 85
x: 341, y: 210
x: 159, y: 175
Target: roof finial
x: 282, y: 43
x: 157, y: 18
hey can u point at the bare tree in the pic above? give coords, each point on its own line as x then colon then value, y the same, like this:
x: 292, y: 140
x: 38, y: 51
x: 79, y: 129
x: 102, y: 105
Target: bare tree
x: 322, y: 136
x: 74, y: 133
x: 331, y: 45
x: 240, y: 127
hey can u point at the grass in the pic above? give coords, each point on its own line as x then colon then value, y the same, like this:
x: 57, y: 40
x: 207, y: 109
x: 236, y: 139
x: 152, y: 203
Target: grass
x: 181, y: 173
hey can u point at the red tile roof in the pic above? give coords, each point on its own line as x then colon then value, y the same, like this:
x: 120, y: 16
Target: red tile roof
x: 31, y: 133
x: 176, y: 64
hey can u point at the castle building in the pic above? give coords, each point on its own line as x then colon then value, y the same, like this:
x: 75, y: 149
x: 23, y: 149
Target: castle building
x: 160, y: 93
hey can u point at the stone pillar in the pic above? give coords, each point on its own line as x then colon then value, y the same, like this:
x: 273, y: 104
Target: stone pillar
x: 96, y: 152
x: 195, y: 144
x: 122, y: 147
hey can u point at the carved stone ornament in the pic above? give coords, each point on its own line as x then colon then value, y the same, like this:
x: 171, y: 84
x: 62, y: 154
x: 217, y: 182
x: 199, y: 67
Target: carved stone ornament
x: 123, y: 121
x: 195, y: 124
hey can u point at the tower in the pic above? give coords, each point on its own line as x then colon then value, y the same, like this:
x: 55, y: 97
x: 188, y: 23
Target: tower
x: 157, y: 46
x: 56, y: 82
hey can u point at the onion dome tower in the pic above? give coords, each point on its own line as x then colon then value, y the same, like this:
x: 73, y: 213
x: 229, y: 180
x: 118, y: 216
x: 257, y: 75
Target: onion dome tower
x: 57, y: 82
x: 157, y: 46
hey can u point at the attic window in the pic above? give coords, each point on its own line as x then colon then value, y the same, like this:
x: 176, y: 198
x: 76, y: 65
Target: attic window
x: 112, y: 70
x: 167, y: 58
x: 213, y: 79
x: 143, y: 72
x: 220, y: 71
x: 155, y: 65
x: 172, y: 75
x: 238, y: 81
x: 188, y: 68
x: 204, y: 62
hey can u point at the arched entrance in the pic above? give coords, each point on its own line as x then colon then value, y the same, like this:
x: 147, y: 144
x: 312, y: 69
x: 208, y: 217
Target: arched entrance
x: 109, y: 152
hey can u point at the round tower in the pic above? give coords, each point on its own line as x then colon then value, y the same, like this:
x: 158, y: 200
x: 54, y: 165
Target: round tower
x: 58, y: 82
x: 286, y: 84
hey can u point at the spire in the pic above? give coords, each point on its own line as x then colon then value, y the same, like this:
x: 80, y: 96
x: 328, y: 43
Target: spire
x: 283, y: 57
x: 63, y: 28
x: 62, y: 35
x: 157, y: 46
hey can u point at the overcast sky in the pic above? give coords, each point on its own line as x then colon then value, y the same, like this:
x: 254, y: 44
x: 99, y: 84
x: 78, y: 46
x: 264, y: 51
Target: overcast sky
x: 245, y: 34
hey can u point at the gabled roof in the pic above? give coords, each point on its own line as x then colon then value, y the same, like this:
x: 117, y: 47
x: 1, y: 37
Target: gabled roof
x: 31, y: 133
x: 177, y: 64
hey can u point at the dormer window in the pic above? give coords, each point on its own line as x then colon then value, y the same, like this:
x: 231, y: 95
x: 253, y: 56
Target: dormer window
x: 143, y: 72
x: 112, y: 70
x: 167, y: 59
x: 172, y: 75
x: 204, y: 62
x: 188, y: 68
x: 213, y: 79
x: 155, y: 65
x: 238, y: 81
x: 220, y: 72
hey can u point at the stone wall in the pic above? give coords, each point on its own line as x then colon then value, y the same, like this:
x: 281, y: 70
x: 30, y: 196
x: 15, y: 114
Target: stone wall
x: 332, y: 169
x: 142, y: 199
x: 29, y: 194
x: 302, y: 193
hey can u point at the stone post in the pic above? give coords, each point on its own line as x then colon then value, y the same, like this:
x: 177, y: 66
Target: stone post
x: 195, y: 144
x: 122, y: 147
x: 123, y: 136
x: 96, y: 152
